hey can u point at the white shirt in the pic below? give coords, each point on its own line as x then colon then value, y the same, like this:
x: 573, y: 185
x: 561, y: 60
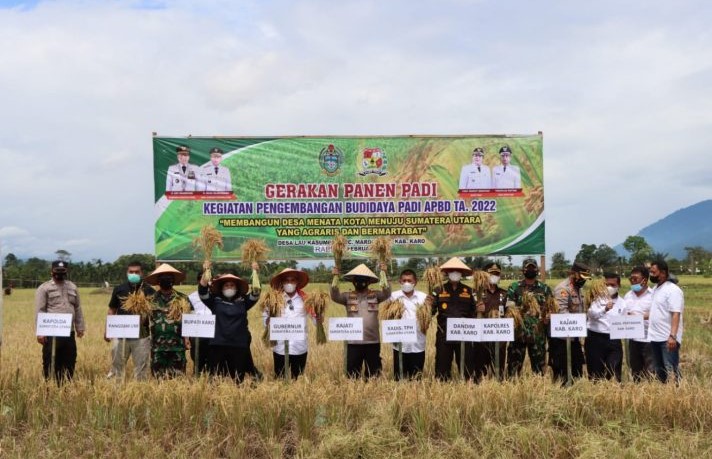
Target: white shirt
x: 211, y: 181
x: 639, y: 305
x: 198, y: 305
x: 295, y: 347
x: 411, y: 304
x: 509, y: 178
x: 598, y: 315
x: 177, y: 180
x: 473, y: 179
x: 667, y: 298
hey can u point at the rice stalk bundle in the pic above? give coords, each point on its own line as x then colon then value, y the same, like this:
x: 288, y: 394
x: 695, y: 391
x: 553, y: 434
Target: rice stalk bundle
x: 391, y: 309
x: 423, y: 313
x: 137, y: 303
x: 380, y: 250
x: 338, y: 248
x: 177, y: 307
x: 316, y: 304
x: 273, y: 304
x: 493, y: 314
x: 434, y: 278
x: 530, y: 305
x: 513, y: 312
x: 254, y: 251
x: 596, y: 290
x: 207, y: 240
x: 480, y: 281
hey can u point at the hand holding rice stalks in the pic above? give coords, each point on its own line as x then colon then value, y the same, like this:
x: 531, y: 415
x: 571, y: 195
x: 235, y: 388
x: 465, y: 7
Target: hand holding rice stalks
x: 273, y: 304
x: 380, y: 250
x: 207, y: 240
x: 339, y: 249
x: 551, y: 306
x: 391, y: 309
x: 177, y: 307
x: 596, y: 290
x: 137, y: 303
x: 423, y: 312
x: 254, y: 252
x: 513, y: 312
x: 434, y: 278
x: 316, y: 304
x: 480, y: 281
x: 530, y: 305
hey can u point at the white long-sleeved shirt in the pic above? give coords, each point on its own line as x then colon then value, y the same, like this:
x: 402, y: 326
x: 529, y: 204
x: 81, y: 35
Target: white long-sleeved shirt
x: 639, y: 305
x: 296, y: 347
x: 598, y: 315
x: 411, y: 305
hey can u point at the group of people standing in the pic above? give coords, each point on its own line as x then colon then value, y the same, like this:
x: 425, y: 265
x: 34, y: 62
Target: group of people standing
x: 162, y: 349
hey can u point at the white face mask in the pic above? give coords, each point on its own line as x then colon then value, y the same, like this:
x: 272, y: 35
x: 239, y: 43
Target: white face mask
x: 229, y: 292
x: 612, y: 291
x: 454, y: 276
x: 494, y: 280
x: 407, y: 287
x: 290, y: 288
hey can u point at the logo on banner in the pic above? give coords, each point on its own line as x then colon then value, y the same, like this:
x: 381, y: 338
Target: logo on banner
x: 330, y: 159
x: 373, y: 162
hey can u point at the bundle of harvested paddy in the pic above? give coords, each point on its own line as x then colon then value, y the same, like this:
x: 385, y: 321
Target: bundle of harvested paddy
x: 177, y: 307
x: 254, y: 251
x: 530, y: 305
x: 424, y: 314
x: 273, y: 304
x: 137, y: 303
x: 596, y: 290
x: 207, y: 240
x: 513, y: 312
x: 480, y: 281
x: 316, y: 304
x: 380, y: 249
x: 434, y: 278
x: 338, y: 248
x: 391, y: 309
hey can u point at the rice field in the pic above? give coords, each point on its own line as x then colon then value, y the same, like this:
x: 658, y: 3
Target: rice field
x: 325, y: 415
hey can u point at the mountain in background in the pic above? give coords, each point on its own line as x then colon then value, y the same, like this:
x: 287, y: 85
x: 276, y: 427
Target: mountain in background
x: 688, y: 227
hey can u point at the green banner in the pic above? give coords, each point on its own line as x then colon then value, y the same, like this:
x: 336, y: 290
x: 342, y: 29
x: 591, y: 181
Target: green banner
x: 435, y: 196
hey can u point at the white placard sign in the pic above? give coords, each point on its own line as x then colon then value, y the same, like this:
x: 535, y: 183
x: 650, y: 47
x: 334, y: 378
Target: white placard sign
x: 287, y: 329
x: 52, y: 324
x: 627, y: 327
x: 345, y: 329
x: 123, y: 326
x: 568, y: 325
x: 399, y: 331
x: 461, y: 329
x: 496, y: 329
x: 198, y: 325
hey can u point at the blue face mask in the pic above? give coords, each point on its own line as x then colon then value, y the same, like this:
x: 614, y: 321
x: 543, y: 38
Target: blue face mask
x: 636, y: 287
x: 134, y: 278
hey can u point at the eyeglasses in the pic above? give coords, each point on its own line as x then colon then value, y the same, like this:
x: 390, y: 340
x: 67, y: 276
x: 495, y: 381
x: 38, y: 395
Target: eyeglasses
x: 290, y: 304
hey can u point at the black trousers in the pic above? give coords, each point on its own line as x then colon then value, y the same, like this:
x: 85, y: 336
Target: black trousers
x: 557, y: 358
x: 445, y: 351
x: 230, y: 361
x: 297, y: 363
x: 203, y: 354
x: 641, y: 360
x: 482, y: 360
x: 604, y: 356
x: 65, y: 357
x: 359, y: 355
x: 413, y: 363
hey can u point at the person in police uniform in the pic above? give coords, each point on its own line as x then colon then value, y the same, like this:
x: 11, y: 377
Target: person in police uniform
x: 532, y: 337
x: 491, y: 305
x: 215, y: 177
x: 182, y: 176
x: 568, y: 296
x: 506, y: 176
x: 456, y: 300
x: 476, y: 176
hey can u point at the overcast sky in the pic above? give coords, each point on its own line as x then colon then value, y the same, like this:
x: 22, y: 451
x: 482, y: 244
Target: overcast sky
x: 621, y: 90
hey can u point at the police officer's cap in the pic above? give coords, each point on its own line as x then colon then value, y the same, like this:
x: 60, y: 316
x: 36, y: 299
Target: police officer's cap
x: 182, y: 150
x: 59, y: 266
x: 492, y: 268
x: 505, y: 150
x: 216, y: 151
x: 583, y: 270
x: 478, y: 152
x: 529, y: 262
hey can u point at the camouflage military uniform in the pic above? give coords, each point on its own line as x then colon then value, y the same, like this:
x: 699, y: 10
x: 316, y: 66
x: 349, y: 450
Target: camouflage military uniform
x: 532, y: 337
x: 167, y: 347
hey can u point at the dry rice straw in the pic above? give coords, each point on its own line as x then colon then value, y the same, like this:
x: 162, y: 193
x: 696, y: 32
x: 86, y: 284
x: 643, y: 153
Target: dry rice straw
x: 137, y: 303
x: 316, y: 304
x: 207, y: 240
x: 596, y: 290
x: 434, y: 278
x: 177, y: 307
x: 380, y: 249
x: 254, y: 251
x: 423, y: 313
x: 273, y: 304
x: 391, y: 309
x: 530, y: 305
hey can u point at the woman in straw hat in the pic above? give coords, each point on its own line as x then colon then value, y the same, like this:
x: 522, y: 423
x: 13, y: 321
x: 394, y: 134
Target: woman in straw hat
x: 291, y: 282
x: 362, y: 302
x: 167, y: 345
x: 228, y: 299
x: 453, y: 300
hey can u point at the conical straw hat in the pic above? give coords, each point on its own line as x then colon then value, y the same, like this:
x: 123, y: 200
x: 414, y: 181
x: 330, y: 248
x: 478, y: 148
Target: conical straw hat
x: 362, y: 271
x: 302, y: 278
x: 165, y: 268
x: 218, y: 282
x: 454, y: 264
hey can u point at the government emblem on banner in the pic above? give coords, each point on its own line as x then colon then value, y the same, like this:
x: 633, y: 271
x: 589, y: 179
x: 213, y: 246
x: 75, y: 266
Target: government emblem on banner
x: 373, y: 162
x: 330, y: 159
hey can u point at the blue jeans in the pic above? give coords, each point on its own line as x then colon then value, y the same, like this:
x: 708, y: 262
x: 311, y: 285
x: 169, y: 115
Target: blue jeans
x: 666, y: 361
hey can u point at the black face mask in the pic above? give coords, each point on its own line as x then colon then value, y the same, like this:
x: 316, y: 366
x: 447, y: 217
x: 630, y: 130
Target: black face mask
x: 654, y: 279
x: 59, y: 276
x: 579, y: 283
x: 166, y: 284
x: 530, y: 274
x: 360, y: 285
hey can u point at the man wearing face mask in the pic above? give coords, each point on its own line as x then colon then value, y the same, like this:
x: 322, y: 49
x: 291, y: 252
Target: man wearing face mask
x: 492, y: 305
x: 60, y: 295
x: 665, y: 331
x: 139, y: 349
x: 532, y: 337
x: 229, y: 300
x: 453, y: 300
x: 362, y: 302
x: 413, y: 353
x: 291, y: 282
x: 638, y: 301
x: 568, y: 296
x: 167, y: 343
x: 604, y: 356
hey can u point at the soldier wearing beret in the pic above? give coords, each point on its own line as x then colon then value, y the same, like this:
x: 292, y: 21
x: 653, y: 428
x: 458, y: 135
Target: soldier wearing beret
x: 182, y: 176
x: 476, y: 176
x: 215, y: 177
